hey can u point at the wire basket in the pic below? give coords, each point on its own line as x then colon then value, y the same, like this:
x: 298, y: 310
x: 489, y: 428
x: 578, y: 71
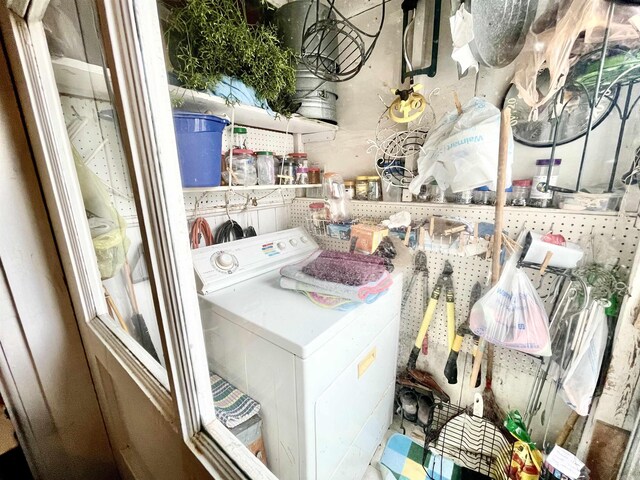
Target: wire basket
x: 333, y: 47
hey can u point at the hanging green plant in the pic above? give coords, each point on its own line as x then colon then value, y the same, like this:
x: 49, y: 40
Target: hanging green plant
x: 212, y: 38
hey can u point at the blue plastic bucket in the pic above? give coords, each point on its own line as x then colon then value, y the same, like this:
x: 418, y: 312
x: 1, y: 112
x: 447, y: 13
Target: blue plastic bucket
x: 199, y: 139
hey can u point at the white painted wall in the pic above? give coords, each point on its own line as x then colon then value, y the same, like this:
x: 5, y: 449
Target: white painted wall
x: 359, y: 108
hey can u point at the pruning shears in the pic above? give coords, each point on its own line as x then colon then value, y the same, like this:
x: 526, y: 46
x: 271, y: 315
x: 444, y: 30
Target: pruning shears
x: 451, y: 367
x: 445, y: 283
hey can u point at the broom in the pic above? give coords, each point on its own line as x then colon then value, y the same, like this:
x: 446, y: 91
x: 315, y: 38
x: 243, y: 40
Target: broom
x: 137, y: 320
x: 492, y: 410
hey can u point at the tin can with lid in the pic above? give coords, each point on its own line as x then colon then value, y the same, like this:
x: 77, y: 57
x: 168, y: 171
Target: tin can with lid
x: 374, y: 189
x: 362, y: 187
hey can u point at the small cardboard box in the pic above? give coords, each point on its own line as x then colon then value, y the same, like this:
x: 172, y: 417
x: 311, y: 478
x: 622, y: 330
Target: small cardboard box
x: 369, y: 237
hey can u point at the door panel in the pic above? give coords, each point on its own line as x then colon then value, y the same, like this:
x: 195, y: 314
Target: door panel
x: 44, y: 371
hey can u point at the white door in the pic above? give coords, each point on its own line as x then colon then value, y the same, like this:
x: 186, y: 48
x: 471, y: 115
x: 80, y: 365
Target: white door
x: 93, y: 93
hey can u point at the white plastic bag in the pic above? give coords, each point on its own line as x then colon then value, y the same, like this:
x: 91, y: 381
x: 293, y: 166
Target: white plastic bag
x: 461, y: 151
x: 582, y: 375
x: 512, y: 314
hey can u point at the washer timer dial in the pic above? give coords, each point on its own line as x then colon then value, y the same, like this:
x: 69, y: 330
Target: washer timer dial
x: 225, y: 262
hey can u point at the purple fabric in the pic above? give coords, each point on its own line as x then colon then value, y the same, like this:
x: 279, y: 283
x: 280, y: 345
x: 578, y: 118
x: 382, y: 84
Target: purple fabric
x: 349, y: 269
x: 374, y: 259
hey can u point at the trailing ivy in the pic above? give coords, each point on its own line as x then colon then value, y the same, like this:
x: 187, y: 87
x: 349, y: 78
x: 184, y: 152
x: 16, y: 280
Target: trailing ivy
x: 211, y: 38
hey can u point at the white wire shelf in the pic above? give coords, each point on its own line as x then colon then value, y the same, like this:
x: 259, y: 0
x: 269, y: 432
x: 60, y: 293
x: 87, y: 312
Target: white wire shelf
x: 226, y: 188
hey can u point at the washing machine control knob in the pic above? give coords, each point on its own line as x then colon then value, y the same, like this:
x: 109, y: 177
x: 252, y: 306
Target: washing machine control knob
x: 304, y: 239
x: 281, y: 245
x: 293, y: 242
x: 225, y: 262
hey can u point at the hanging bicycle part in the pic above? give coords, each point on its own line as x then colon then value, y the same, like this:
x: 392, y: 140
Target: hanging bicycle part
x: 333, y: 47
x: 409, y: 10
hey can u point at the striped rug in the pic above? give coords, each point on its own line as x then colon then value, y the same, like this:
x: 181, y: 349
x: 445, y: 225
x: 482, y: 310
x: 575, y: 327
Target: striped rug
x: 232, y: 406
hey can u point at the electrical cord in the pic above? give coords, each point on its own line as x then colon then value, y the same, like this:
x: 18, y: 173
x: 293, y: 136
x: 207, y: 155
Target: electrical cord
x: 200, y: 229
x: 229, y: 231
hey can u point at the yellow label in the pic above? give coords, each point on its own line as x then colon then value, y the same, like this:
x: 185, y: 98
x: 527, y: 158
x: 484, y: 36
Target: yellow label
x: 367, y: 361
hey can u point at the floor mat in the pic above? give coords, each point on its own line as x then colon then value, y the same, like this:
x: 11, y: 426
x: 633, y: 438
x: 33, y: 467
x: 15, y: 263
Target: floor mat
x: 403, y: 458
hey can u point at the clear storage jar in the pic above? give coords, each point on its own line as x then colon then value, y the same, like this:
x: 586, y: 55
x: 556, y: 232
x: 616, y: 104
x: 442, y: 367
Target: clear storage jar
x: 240, y: 138
x: 436, y: 194
x: 540, y: 195
x: 374, y: 189
x: 362, y: 187
x: 242, y: 164
x: 484, y: 196
x: 350, y: 188
x: 266, y: 164
x: 521, y: 191
x: 464, y: 197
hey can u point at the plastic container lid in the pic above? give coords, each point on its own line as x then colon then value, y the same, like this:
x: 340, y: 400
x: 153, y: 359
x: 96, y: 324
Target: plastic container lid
x: 362, y: 177
x: 314, y: 169
x: 546, y: 161
x: 349, y: 182
x: 264, y: 153
x: 373, y: 177
x: 482, y: 189
x: 316, y: 205
x: 297, y: 155
x: 239, y: 130
x: 522, y: 183
x: 242, y: 151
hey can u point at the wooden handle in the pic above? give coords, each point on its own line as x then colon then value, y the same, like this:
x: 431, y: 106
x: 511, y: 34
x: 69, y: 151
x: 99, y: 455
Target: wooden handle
x: 477, y: 363
x: 130, y: 290
x: 567, y: 429
x: 545, y: 262
x: 114, y: 309
x: 456, y: 101
x: 503, y: 155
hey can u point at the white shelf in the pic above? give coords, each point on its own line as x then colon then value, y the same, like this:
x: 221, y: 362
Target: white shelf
x: 83, y: 79
x: 248, y: 116
x: 226, y: 188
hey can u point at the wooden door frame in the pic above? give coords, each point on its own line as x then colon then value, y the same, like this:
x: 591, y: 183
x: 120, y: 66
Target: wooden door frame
x: 139, y: 79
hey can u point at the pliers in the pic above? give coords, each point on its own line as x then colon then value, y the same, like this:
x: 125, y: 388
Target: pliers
x: 445, y: 283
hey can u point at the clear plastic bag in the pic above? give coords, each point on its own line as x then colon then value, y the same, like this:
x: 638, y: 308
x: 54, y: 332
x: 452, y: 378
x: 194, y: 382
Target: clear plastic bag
x: 108, y: 228
x: 512, y: 314
x: 583, y: 372
x: 461, y: 151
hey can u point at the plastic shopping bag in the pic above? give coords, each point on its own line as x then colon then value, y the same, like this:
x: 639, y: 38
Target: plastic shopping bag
x: 461, y: 151
x: 582, y: 375
x: 512, y: 314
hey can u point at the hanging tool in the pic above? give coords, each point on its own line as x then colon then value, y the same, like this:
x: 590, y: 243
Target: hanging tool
x: 451, y: 367
x: 419, y: 265
x: 409, y: 104
x: 408, y: 23
x: 137, y: 320
x: 444, y: 283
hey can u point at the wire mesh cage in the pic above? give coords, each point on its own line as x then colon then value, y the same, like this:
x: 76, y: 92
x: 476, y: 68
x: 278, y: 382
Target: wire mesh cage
x: 333, y: 47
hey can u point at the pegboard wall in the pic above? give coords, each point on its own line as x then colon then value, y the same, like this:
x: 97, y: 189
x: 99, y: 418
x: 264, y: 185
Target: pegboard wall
x: 468, y: 270
x: 98, y: 143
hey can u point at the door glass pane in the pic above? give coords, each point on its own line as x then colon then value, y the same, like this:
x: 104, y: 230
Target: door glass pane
x: 76, y: 48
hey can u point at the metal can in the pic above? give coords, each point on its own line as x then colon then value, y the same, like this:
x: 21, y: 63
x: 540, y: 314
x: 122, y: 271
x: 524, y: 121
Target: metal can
x: 350, y: 188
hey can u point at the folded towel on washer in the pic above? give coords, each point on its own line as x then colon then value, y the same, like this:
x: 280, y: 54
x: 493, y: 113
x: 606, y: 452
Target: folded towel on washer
x: 232, y: 406
x: 360, y: 257
x: 308, y: 282
x: 351, y: 269
x: 347, y: 294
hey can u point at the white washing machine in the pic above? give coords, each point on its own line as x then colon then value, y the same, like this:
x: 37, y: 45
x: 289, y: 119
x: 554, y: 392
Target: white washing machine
x: 324, y: 378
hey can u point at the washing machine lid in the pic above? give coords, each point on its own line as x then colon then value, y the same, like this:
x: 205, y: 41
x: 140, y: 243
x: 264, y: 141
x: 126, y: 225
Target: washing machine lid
x: 284, y: 317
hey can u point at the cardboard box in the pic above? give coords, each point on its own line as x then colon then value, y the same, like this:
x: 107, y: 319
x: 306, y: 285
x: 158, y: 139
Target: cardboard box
x: 368, y: 237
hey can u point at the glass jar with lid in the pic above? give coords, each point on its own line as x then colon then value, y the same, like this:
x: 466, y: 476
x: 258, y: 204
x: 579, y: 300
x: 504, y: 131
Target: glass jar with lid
x: 314, y: 175
x: 484, y: 196
x: 266, y: 165
x: 521, y: 191
x: 240, y: 138
x: 362, y: 187
x: 242, y: 164
x: 374, y: 188
x: 289, y: 167
x: 350, y: 188
x: 302, y: 173
x: 540, y: 195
